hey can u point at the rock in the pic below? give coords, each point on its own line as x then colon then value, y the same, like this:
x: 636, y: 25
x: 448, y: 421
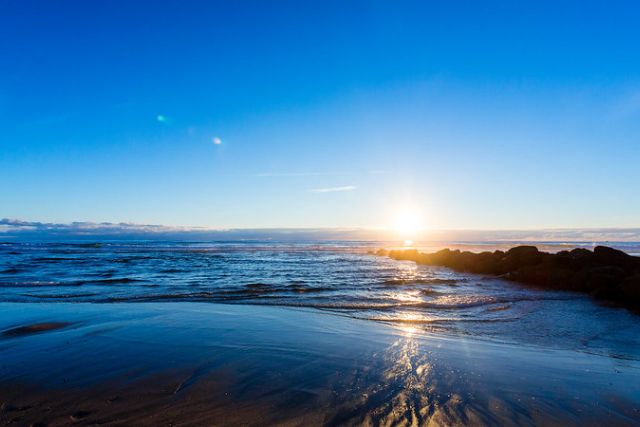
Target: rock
x: 630, y: 288
x: 79, y: 415
x: 609, y: 256
x: 605, y: 273
x: 581, y: 258
x: 523, y: 252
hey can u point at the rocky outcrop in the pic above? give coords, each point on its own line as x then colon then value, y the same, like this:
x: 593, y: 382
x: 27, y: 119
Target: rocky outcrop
x: 605, y: 273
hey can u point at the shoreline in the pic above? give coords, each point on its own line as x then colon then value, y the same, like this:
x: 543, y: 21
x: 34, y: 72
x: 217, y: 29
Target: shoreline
x: 605, y: 273
x: 212, y: 364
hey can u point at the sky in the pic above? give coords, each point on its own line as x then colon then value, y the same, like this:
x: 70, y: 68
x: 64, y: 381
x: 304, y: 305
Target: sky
x: 239, y: 114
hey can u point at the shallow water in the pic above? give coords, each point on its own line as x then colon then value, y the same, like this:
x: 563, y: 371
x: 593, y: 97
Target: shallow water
x: 340, y: 279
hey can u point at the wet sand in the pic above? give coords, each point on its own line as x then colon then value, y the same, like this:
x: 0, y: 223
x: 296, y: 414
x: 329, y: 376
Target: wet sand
x: 212, y: 364
x: 34, y: 328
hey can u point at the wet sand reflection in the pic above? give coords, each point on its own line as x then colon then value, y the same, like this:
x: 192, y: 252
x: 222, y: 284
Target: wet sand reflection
x: 411, y: 385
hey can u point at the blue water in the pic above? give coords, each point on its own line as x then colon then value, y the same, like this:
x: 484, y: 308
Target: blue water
x: 335, y: 278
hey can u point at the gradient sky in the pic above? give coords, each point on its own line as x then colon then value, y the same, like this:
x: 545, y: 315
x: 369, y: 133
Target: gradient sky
x: 477, y: 115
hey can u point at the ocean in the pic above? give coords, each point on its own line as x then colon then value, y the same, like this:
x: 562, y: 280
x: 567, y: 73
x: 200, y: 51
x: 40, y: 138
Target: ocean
x: 331, y: 283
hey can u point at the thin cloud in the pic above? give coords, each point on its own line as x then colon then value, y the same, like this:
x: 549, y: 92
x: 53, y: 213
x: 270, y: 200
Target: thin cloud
x: 334, y: 189
x: 289, y: 174
x: 12, y: 229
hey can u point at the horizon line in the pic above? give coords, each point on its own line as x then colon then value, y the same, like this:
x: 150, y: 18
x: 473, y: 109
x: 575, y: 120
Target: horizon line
x: 21, y: 229
x: 8, y: 221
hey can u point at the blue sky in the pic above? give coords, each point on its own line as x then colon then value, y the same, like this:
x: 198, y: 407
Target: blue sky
x: 330, y: 114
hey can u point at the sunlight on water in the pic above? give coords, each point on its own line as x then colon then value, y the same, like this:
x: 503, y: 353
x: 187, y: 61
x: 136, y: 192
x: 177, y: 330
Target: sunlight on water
x: 407, y: 296
x: 337, y: 279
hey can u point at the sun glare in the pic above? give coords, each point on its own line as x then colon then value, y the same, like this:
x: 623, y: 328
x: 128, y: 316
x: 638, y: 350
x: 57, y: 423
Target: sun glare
x: 408, y: 224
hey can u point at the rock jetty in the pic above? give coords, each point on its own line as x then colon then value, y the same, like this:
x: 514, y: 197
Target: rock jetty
x: 605, y: 273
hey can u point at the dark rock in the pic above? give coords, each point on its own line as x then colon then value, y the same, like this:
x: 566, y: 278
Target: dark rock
x: 609, y: 256
x: 523, y: 252
x: 630, y: 288
x: 79, y: 415
x: 581, y: 257
x: 605, y: 273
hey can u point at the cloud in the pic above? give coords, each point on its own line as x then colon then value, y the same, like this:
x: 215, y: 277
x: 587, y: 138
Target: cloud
x: 303, y: 174
x: 292, y: 174
x: 334, y: 189
x: 8, y: 225
x: 14, y: 229
x: 216, y: 140
x: 18, y: 230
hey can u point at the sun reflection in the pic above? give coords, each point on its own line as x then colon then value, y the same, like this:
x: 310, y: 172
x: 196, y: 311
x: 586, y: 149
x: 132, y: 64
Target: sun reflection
x: 408, y: 330
x: 407, y: 296
x: 408, y: 271
x: 406, y: 383
x: 410, y: 386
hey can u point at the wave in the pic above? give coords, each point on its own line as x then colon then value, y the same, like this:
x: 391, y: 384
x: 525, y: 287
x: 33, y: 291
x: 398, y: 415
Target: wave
x: 36, y: 284
x: 400, y: 319
x: 274, y: 297
x: 40, y: 284
x: 60, y: 296
x: 12, y: 270
x: 111, y: 281
x: 421, y: 281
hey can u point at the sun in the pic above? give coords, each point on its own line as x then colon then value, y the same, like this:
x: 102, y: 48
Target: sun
x: 408, y: 224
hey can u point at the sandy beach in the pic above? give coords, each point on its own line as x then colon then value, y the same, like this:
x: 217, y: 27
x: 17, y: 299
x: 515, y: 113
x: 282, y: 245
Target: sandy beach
x: 214, y: 364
